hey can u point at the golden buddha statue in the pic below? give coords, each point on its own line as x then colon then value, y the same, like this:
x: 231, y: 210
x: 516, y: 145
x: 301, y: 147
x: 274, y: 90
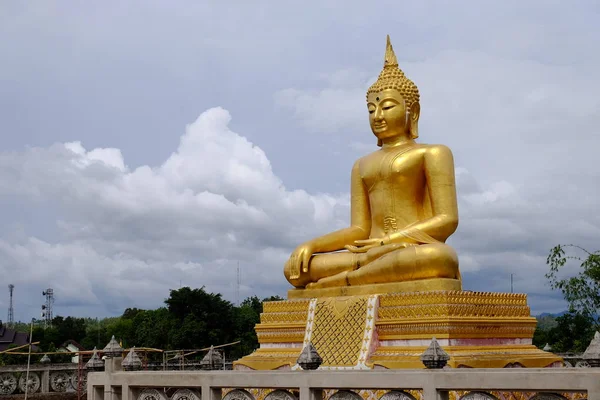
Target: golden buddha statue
x: 371, y: 295
x: 403, y: 203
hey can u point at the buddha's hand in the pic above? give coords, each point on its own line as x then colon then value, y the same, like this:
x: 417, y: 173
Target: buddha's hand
x: 362, y: 246
x: 299, y: 260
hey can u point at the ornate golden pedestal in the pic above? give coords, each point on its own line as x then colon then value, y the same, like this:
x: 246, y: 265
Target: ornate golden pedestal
x: 422, y: 285
x: 478, y: 330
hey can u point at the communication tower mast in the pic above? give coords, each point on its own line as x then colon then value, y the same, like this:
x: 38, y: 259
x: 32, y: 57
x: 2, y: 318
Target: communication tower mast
x: 47, y: 308
x: 237, y: 286
x: 11, y: 311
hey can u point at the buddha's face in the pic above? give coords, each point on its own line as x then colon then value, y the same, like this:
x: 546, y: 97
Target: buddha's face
x: 387, y: 114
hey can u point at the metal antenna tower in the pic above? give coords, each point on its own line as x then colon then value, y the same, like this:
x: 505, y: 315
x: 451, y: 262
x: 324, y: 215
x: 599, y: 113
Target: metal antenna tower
x: 47, y: 308
x: 237, y: 287
x: 11, y: 311
x: 511, y: 283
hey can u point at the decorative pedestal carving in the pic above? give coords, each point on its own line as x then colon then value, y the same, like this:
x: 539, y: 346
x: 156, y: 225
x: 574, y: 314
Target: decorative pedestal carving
x: 477, y: 330
x: 421, y: 285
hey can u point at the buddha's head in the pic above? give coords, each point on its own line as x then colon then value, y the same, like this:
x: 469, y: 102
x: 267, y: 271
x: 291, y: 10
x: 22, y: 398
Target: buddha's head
x: 393, y: 102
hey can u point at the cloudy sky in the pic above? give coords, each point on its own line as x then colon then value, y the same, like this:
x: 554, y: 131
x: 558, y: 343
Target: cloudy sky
x: 148, y: 145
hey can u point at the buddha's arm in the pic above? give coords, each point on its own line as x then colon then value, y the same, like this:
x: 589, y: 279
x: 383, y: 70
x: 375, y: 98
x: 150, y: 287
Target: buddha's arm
x: 439, y: 173
x: 360, y: 220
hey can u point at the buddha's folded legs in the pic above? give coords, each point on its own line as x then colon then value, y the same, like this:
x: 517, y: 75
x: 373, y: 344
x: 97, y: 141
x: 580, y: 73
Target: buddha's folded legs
x: 331, y: 264
x: 425, y: 261
x: 323, y: 265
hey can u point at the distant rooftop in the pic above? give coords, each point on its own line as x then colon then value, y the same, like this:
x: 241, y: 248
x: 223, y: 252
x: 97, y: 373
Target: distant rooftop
x: 10, y: 337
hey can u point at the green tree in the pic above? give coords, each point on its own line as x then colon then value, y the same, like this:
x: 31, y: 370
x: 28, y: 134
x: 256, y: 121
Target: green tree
x: 540, y: 337
x: 254, y: 303
x: 46, y: 337
x: 152, y: 329
x: 215, y: 314
x: 273, y: 298
x: 582, y: 291
x: 21, y: 327
x: 130, y: 313
x: 96, y: 336
x: 191, y: 333
x: 546, y: 322
x: 122, y: 329
x: 12, y: 359
x: 192, y: 319
x: 69, y: 328
x: 573, y: 333
x: 246, y: 316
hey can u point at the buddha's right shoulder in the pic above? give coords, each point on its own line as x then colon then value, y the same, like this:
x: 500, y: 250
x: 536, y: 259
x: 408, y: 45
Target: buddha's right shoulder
x: 362, y: 161
x: 438, y: 149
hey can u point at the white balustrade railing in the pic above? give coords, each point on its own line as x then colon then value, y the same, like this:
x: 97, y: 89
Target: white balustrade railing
x: 114, y: 384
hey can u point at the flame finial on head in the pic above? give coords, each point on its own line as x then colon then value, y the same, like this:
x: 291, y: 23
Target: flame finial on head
x: 390, y: 56
x: 392, y: 77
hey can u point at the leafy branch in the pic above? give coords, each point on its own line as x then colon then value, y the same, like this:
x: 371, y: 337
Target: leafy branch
x: 582, y: 291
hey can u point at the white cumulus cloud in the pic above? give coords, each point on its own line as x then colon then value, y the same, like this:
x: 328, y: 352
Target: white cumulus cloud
x: 124, y: 237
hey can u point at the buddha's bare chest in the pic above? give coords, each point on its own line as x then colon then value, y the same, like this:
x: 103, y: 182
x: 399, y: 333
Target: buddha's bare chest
x: 393, y: 170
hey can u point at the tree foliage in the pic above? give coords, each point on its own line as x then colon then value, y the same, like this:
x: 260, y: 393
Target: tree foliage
x: 581, y: 291
x: 190, y: 319
x: 569, y: 333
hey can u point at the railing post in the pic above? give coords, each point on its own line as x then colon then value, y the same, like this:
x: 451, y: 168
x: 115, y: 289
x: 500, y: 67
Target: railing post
x: 45, y: 380
x: 308, y: 393
x: 111, y: 365
x: 126, y: 392
x: 594, y: 391
x: 210, y: 393
x: 431, y: 392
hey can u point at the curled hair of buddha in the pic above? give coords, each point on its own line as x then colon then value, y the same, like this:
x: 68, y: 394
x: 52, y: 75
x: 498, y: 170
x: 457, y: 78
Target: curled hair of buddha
x: 392, y: 77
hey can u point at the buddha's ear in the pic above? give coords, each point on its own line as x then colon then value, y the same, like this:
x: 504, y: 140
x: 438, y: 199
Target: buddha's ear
x: 379, y: 143
x: 413, y: 122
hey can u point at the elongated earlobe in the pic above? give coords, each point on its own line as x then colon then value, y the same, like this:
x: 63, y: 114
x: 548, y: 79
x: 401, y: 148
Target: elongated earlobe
x: 414, y: 129
x: 413, y: 120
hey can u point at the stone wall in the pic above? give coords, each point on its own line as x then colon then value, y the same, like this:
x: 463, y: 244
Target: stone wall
x: 43, y: 378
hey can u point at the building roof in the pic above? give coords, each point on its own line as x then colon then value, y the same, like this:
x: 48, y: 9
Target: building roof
x: 72, y: 342
x: 10, y: 337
